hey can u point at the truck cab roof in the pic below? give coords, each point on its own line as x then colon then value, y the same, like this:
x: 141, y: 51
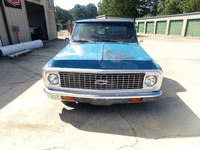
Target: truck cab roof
x: 103, y: 20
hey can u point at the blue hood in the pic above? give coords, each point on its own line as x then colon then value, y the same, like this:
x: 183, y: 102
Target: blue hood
x: 103, y: 56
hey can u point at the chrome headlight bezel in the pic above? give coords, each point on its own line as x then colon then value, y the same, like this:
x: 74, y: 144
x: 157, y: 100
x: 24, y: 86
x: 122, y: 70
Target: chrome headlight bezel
x: 158, y: 74
x: 150, y: 81
x: 53, y: 79
x: 46, y: 74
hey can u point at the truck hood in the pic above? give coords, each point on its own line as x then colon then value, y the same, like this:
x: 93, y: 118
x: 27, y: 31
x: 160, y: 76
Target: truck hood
x: 103, y: 56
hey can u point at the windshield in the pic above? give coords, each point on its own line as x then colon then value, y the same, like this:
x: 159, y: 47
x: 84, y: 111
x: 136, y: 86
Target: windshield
x: 104, y: 32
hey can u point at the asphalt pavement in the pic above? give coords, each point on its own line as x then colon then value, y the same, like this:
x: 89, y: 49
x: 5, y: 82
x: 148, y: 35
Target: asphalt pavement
x: 30, y: 120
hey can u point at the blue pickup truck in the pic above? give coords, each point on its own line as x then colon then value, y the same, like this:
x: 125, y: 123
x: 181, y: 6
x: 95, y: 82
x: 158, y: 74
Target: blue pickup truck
x: 103, y: 64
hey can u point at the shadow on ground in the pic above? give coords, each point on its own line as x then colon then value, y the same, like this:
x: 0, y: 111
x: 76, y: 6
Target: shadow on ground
x: 169, y: 116
x: 20, y: 73
x: 138, y: 35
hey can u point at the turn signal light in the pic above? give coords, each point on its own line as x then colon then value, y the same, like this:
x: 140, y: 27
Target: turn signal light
x: 135, y: 100
x: 68, y: 98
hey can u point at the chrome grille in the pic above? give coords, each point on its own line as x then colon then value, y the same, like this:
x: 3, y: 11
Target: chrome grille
x: 113, y: 81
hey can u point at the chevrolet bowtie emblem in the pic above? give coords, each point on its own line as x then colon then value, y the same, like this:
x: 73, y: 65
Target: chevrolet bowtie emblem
x: 101, y: 82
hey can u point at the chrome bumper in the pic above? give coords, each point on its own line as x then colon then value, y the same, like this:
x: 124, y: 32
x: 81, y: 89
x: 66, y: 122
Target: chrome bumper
x: 103, y: 98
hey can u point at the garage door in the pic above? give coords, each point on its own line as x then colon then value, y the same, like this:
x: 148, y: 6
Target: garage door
x: 141, y: 27
x: 193, y: 27
x: 150, y: 27
x: 161, y: 27
x: 175, y: 27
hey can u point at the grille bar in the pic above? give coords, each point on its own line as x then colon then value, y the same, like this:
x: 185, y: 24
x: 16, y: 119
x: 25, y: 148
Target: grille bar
x: 114, y: 81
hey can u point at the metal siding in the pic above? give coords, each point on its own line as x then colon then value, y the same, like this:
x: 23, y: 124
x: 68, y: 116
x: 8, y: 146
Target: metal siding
x: 193, y: 28
x: 141, y: 27
x: 175, y: 27
x: 50, y: 22
x: 186, y: 16
x: 193, y: 15
x: 9, y: 20
x: 18, y: 17
x: 3, y: 33
x: 161, y: 27
x: 150, y: 27
x: 40, y: 2
x: 120, y: 18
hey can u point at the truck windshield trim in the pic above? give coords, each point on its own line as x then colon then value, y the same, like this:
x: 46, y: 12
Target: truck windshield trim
x: 104, y: 32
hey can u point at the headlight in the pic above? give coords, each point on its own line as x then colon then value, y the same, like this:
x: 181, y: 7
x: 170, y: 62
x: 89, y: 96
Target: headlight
x: 53, y: 79
x: 150, y: 80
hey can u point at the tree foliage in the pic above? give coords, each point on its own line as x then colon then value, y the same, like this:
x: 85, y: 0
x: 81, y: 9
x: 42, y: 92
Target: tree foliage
x: 76, y: 13
x: 118, y: 7
x: 62, y: 15
x: 191, y: 5
x: 128, y: 8
x: 83, y: 12
x: 166, y: 7
x: 140, y: 8
x: 148, y: 7
x: 92, y: 10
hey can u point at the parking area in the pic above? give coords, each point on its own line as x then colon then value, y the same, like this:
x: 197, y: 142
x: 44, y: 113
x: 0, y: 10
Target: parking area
x: 30, y: 120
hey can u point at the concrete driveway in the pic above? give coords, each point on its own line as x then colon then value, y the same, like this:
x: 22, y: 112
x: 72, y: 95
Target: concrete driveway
x: 30, y: 120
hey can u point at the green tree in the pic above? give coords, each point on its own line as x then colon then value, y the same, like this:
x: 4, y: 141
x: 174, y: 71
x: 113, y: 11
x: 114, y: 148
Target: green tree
x: 129, y: 8
x: 83, y: 12
x: 167, y: 7
x: 62, y: 15
x: 118, y: 7
x: 191, y: 5
x: 148, y: 7
x: 79, y: 12
x: 91, y: 10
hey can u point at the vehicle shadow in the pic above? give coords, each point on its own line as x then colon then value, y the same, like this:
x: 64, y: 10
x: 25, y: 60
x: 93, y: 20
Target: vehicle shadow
x: 139, y: 35
x: 168, y: 117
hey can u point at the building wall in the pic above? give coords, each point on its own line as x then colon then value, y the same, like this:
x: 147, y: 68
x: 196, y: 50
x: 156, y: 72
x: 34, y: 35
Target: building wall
x: 40, y: 2
x: 110, y: 17
x: 114, y: 17
x: 185, y: 18
x: 50, y: 19
x: 3, y: 33
x: 18, y: 17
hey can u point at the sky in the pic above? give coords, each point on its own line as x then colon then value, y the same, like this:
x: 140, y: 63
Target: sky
x: 69, y: 4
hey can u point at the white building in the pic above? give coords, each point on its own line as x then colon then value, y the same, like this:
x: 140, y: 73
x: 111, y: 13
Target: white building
x: 17, y: 16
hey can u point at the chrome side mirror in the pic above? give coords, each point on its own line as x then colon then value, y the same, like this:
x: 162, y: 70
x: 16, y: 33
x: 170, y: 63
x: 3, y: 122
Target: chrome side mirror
x: 140, y: 41
x: 67, y: 40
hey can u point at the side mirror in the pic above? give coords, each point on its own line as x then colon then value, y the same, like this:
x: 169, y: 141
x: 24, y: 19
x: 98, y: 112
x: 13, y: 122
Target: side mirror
x: 67, y: 40
x: 140, y: 41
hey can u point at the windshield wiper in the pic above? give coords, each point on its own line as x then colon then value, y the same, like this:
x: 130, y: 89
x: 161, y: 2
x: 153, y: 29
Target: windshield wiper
x: 84, y: 41
x: 108, y: 40
x: 81, y: 41
x: 115, y: 41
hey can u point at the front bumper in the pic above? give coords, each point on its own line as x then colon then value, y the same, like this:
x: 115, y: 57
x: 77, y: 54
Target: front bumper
x: 103, y: 98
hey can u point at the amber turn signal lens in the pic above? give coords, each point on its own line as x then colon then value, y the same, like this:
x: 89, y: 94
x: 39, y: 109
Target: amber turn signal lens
x: 135, y: 100
x: 68, y: 98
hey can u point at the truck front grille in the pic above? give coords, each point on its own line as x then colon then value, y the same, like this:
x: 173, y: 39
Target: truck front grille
x: 102, y: 81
